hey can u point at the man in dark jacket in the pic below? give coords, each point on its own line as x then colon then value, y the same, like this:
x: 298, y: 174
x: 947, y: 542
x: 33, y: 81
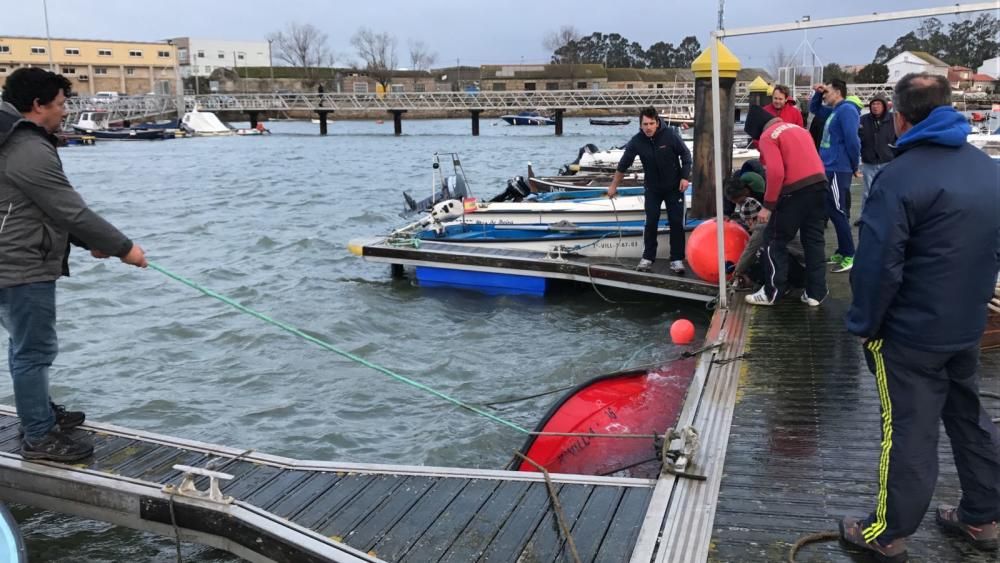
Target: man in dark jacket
x: 926, y: 267
x: 877, y: 136
x: 40, y: 213
x: 666, y: 167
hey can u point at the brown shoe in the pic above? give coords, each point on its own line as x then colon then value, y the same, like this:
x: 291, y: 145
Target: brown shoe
x: 851, y: 536
x: 983, y: 536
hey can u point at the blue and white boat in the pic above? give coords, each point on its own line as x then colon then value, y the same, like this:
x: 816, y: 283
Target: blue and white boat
x: 620, y: 240
x: 528, y: 118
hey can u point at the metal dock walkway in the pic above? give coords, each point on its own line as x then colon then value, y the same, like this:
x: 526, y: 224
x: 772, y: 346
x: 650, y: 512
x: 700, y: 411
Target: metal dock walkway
x: 806, y: 440
x: 598, y: 271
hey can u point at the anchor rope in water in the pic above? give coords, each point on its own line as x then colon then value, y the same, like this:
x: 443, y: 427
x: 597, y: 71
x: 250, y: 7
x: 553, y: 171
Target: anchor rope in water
x: 330, y: 347
x: 386, y: 371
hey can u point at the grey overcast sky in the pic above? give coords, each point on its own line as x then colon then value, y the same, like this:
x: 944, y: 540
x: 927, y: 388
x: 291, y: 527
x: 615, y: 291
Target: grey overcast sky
x: 474, y: 31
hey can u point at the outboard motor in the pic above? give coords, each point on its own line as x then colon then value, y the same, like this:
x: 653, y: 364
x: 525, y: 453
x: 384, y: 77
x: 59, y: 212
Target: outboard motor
x: 570, y: 169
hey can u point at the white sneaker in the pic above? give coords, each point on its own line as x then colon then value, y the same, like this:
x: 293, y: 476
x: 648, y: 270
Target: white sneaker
x: 677, y: 267
x: 644, y: 265
x: 812, y: 302
x: 759, y: 298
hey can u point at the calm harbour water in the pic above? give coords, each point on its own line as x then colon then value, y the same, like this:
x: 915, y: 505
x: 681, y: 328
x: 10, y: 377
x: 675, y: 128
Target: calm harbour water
x: 266, y: 221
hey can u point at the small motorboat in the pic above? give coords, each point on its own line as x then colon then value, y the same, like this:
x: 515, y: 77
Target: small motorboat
x: 528, y: 118
x: 96, y: 124
x: 597, y: 121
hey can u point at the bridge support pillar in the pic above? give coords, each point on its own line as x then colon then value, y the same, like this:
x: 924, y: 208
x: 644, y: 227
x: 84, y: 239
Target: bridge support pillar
x: 558, y: 114
x: 736, y: 117
x: 253, y: 118
x: 397, y: 121
x: 475, y: 121
x: 322, y: 120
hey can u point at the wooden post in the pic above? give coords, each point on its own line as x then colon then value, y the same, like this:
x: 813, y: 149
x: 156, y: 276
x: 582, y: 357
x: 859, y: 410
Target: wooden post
x: 703, y: 172
x: 397, y: 121
x: 253, y: 118
x: 475, y: 121
x: 322, y: 121
x: 559, y: 121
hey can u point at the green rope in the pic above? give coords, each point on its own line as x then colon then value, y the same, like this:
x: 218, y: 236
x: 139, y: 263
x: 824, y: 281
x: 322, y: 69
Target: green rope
x: 332, y: 348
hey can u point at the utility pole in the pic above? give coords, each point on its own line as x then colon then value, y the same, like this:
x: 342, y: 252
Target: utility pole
x: 458, y: 72
x: 45, y: 8
x: 722, y: 10
x: 270, y: 63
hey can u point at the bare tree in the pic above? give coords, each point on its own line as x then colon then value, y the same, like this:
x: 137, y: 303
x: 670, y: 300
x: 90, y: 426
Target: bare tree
x: 302, y: 45
x: 420, y: 56
x: 555, y: 39
x: 779, y: 59
x: 377, y: 52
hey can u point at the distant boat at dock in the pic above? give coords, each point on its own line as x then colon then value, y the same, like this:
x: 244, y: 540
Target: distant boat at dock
x: 619, y: 122
x: 528, y: 118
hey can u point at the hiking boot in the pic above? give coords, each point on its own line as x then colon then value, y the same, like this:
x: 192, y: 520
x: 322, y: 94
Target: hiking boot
x: 759, y: 298
x: 56, y: 446
x: 846, y: 263
x: 835, y: 259
x: 852, y: 537
x: 677, y: 267
x: 65, y: 420
x: 812, y: 302
x: 644, y: 265
x: 983, y: 536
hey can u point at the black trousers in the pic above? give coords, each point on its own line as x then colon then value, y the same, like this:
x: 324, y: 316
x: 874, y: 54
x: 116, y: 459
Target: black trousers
x: 675, y: 219
x: 916, y: 390
x: 804, y: 212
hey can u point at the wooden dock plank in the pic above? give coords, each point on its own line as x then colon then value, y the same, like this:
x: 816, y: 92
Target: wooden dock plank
x: 589, y: 529
x: 345, y: 519
x: 480, y: 532
x: 244, y: 484
x: 332, y: 500
x: 433, y: 523
x: 377, y: 523
x: 307, y: 492
x: 547, y: 542
x: 617, y: 544
x: 516, y: 531
x: 277, y: 488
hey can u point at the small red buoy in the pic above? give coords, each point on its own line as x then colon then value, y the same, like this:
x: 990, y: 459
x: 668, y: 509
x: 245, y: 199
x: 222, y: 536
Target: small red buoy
x: 682, y: 332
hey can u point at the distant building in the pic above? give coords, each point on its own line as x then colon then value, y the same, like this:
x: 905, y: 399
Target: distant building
x: 990, y: 67
x: 92, y: 65
x: 201, y: 57
x: 500, y: 78
x: 402, y: 82
x: 983, y: 83
x: 915, y: 61
x: 960, y: 77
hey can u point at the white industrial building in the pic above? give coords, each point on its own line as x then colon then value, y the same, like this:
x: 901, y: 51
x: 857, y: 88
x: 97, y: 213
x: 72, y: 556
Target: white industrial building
x: 199, y: 57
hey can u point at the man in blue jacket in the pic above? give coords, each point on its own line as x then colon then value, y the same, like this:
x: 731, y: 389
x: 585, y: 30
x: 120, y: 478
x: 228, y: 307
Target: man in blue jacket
x: 840, y: 150
x: 666, y: 167
x: 927, y: 263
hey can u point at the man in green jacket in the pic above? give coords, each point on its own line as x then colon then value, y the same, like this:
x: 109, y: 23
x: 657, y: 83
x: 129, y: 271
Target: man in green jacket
x: 40, y: 214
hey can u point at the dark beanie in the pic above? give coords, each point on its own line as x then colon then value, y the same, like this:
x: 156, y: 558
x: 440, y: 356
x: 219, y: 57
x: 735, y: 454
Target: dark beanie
x: 757, y: 118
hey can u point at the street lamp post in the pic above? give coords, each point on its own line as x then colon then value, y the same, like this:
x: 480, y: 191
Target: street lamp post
x: 270, y: 63
x: 45, y: 9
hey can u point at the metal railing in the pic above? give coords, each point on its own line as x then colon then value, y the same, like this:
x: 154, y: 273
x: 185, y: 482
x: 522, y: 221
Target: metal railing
x: 674, y: 95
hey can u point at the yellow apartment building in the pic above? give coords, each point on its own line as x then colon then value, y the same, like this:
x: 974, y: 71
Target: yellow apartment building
x: 126, y: 67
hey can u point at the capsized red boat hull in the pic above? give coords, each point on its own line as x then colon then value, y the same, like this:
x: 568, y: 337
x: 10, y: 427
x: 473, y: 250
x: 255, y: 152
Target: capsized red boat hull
x: 646, y: 401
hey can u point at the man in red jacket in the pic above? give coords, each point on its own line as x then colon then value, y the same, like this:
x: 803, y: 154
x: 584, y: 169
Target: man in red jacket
x: 794, y: 202
x: 783, y: 105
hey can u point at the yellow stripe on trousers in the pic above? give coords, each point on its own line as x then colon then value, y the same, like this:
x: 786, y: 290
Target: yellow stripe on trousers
x: 873, y: 530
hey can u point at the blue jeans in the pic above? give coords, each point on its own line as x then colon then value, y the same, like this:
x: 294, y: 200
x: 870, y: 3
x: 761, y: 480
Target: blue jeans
x: 838, y: 209
x: 868, y: 171
x: 28, y: 312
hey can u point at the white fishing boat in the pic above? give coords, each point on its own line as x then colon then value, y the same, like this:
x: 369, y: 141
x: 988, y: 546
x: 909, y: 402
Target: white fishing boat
x: 608, y: 159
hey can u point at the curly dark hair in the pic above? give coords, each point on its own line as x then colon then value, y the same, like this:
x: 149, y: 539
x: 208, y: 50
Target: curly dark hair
x: 25, y: 85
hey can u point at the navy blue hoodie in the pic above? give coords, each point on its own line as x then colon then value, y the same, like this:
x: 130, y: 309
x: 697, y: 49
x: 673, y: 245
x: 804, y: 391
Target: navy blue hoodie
x: 929, y: 249
x: 662, y: 172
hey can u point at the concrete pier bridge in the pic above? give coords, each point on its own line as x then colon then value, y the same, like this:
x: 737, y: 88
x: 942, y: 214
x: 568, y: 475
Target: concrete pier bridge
x: 554, y: 102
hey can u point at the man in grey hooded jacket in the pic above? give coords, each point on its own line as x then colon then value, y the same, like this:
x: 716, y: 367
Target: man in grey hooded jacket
x: 40, y: 214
